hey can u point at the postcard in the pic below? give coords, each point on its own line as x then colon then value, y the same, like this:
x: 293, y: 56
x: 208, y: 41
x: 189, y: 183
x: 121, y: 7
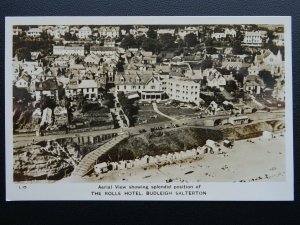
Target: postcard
x: 149, y: 108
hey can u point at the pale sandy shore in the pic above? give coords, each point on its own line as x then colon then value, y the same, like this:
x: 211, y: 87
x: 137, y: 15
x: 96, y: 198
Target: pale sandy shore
x: 251, y: 160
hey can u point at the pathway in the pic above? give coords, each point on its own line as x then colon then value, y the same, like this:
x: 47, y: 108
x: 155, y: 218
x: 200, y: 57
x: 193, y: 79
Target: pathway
x: 160, y: 113
x: 89, y: 160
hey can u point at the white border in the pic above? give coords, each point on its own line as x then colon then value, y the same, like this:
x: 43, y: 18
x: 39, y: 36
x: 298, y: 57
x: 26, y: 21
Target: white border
x: 215, y: 190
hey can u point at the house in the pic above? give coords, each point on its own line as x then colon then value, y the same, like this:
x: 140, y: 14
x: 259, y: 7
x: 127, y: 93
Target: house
x: 268, y: 58
x: 88, y: 88
x: 187, y: 30
x: 217, y: 81
x: 60, y: 31
x: 101, y: 50
x: 253, y: 38
x: 109, y: 43
x: 279, y: 90
x: 109, y: 32
x: 111, y: 72
x: 35, y: 55
x: 17, y: 31
x: 61, y: 61
x: 253, y: 84
x: 230, y: 32
x: 37, y: 113
x: 74, y: 30
x: 32, y: 70
x: 181, y: 89
x: 143, y: 82
x: 68, y: 50
x: 61, y: 115
x: 48, y: 87
x: 23, y: 81
x: 218, y: 35
x: 165, y: 31
x: 279, y: 38
x: 139, y: 31
x: 148, y: 57
x: 34, y: 32
x: 92, y: 59
x: 230, y: 64
x: 84, y: 32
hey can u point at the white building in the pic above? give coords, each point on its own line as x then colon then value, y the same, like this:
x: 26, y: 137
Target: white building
x: 88, y: 88
x: 23, y: 82
x: 226, y: 33
x: 84, y: 32
x: 253, y: 84
x: 48, y: 87
x: 165, y: 31
x: 217, y: 81
x: 139, y: 31
x: 182, y: 90
x: 253, y: 38
x: 143, y: 82
x: 105, y: 51
x: 109, y: 32
x: 68, y: 50
x: 230, y: 32
x: 60, y: 31
x: 34, y: 32
x: 187, y: 30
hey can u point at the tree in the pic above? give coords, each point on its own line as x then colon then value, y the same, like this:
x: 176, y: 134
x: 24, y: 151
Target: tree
x: 47, y: 102
x: 268, y: 79
x: 68, y: 36
x: 167, y: 41
x: 240, y: 75
x: 21, y: 94
x: 23, y: 53
x: 231, y: 86
x: 211, y: 50
x: 128, y: 42
x: 120, y: 66
x: 44, y: 35
x: 152, y: 33
x: 237, y: 48
x: 80, y: 101
x: 74, y: 37
x: 208, y: 42
x: 150, y: 44
x: 190, y: 40
x: 207, y: 63
x: 139, y: 40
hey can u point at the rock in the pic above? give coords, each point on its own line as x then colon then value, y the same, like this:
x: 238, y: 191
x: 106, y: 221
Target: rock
x: 40, y: 163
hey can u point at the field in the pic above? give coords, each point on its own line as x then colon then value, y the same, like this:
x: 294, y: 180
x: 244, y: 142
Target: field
x: 177, y: 112
x: 147, y: 115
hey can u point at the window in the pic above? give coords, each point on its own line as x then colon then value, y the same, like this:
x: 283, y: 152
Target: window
x: 124, y: 87
x: 152, y: 87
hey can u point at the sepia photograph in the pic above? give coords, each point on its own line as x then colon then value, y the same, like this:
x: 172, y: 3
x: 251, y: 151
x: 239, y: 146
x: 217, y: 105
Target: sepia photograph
x: 134, y: 101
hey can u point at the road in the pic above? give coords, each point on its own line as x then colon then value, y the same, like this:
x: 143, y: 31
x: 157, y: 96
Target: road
x: 22, y: 140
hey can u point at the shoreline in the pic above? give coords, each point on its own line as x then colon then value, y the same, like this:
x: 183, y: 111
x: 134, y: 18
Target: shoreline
x: 248, y: 161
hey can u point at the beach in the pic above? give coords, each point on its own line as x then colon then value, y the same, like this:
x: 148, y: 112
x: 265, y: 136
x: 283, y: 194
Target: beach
x: 251, y: 160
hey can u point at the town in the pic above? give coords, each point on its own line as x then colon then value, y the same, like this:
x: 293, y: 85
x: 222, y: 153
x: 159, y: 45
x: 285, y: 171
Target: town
x: 84, y: 94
